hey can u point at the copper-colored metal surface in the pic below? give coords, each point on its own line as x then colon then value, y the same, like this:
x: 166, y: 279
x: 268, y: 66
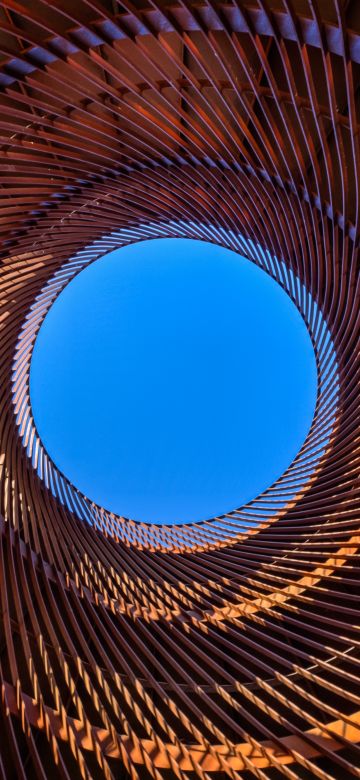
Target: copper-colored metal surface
x: 228, y: 648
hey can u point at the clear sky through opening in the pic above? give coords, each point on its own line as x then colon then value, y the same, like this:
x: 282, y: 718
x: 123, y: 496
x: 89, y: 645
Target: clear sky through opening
x: 172, y: 381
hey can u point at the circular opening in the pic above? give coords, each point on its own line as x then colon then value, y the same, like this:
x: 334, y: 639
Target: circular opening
x: 172, y: 381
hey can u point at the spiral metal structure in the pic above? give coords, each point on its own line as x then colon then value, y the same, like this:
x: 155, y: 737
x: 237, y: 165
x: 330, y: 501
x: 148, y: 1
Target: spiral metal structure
x: 223, y: 649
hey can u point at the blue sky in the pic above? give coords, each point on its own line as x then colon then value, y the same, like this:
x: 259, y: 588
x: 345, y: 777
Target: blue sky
x: 172, y: 381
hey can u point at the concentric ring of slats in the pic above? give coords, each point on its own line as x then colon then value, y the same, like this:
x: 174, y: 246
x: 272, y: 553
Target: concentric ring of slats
x: 228, y: 528
x: 212, y: 650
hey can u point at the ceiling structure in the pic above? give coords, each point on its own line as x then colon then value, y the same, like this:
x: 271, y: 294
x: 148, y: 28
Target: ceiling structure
x: 228, y: 648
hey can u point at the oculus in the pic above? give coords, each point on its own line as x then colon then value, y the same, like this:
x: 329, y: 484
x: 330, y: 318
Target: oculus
x: 172, y: 381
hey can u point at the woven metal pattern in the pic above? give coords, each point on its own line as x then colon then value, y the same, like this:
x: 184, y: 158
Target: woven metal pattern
x: 221, y: 649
